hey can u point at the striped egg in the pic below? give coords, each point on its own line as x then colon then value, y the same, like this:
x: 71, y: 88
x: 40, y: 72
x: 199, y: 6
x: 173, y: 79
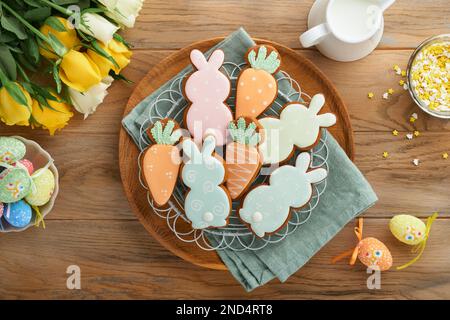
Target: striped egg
x: 374, y: 253
x: 408, y: 229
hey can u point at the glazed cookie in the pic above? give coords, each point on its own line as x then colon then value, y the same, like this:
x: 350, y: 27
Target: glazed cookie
x: 298, y: 126
x: 243, y: 161
x: 257, y: 88
x: 207, y: 203
x: 207, y: 89
x: 161, y: 161
x: 267, y: 207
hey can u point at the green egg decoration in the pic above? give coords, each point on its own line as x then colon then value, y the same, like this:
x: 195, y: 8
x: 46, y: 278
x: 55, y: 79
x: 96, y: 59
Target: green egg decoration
x: 44, y: 182
x: 15, y: 184
x: 408, y: 229
x: 11, y: 150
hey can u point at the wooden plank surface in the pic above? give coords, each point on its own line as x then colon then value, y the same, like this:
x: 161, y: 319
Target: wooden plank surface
x: 92, y: 225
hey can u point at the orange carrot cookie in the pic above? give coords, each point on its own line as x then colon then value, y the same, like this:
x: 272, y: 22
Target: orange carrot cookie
x: 243, y: 161
x: 256, y: 87
x: 161, y: 162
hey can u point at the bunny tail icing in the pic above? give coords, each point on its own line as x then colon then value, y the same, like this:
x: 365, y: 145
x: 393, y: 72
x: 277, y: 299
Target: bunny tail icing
x: 207, y: 89
x: 207, y: 203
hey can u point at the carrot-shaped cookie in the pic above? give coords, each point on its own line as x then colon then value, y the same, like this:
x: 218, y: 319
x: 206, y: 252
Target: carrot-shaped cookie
x: 243, y: 161
x: 256, y: 87
x: 161, y: 161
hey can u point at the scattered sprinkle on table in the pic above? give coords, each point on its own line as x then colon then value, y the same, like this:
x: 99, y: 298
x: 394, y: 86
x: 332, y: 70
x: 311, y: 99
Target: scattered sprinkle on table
x: 390, y: 91
x: 385, y: 155
x: 416, y: 133
x: 409, y: 136
x: 401, y: 82
x: 385, y: 95
x: 413, y: 117
x: 445, y: 155
x: 403, y: 73
x: 395, y: 133
x: 416, y: 162
x: 430, y: 74
x: 370, y: 95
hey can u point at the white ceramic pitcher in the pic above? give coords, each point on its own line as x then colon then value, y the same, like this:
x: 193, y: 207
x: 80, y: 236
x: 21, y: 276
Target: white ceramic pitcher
x: 345, y: 30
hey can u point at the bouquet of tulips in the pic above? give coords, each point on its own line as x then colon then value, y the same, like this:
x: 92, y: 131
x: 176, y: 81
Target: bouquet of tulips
x: 75, y: 43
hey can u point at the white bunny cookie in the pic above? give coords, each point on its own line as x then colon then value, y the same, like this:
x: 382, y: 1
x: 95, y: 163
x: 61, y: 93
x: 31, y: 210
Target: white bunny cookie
x: 207, y: 203
x: 266, y: 208
x: 298, y: 126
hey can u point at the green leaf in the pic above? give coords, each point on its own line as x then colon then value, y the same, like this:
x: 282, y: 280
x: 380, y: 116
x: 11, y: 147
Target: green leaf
x: 16, y: 93
x: 56, y: 45
x: 96, y: 47
x: 31, y: 49
x: 55, y: 24
x: 8, y: 63
x: 38, y: 14
x: 14, y: 25
x: 56, y: 76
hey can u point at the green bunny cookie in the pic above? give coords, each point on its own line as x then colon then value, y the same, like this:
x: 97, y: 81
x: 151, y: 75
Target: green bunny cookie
x: 15, y: 184
x: 11, y: 150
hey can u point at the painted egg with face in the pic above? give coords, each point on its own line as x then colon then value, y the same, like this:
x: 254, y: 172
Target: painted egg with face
x: 44, y: 180
x: 18, y: 214
x: 15, y: 184
x: 408, y: 229
x: 374, y: 253
x: 11, y: 150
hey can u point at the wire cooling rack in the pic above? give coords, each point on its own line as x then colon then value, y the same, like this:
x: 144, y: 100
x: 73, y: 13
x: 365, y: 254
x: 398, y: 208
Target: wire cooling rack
x: 235, y: 236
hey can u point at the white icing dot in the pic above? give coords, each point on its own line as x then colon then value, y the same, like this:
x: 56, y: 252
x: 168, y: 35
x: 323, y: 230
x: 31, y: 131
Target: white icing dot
x: 242, y: 83
x: 253, y: 111
x: 206, y: 100
x: 208, y: 216
x: 194, y: 89
x: 247, y: 98
x: 257, y: 217
x: 270, y: 85
x: 253, y: 78
x: 260, y: 91
x: 206, y: 82
x: 265, y: 103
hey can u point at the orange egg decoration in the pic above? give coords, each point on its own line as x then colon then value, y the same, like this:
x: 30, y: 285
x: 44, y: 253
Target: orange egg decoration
x: 374, y: 253
x: 370, y: 251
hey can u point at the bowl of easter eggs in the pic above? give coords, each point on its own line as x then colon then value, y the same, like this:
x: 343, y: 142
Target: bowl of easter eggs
x: 28, y: 184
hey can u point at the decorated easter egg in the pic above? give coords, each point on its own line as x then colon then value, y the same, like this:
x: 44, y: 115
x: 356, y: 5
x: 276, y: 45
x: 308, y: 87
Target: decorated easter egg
x: 11, y: 150
x: 18, y: 214
x: 408, y: 229
x: 44, y: 180
x: 2, y: 207
x: 27, y: 164
x: 15, y: 184
x: 373, y: 253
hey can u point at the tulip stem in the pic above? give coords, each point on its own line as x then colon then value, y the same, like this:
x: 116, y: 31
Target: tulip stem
x: 3, y: 78
x: 58, y: 7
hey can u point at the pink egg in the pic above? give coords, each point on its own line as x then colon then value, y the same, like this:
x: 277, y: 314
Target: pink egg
x: 373, y: 253
x: 28, y: 164
x: 1, y: 209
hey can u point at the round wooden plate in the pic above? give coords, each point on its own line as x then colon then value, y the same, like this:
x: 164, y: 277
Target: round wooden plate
x: 312, y: 81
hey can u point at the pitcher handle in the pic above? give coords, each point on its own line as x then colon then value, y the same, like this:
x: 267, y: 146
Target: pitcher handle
x: 314, y: 35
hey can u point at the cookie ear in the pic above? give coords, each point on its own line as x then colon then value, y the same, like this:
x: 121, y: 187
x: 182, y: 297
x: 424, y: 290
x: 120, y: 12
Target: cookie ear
x: 198, y: 59
x: 217, y: 58
x: 191, y: 150
x: 327, y: 120
x: 316, y: 175
x: 303, y: 161
x: 209, y: 145
x: 316, y: 104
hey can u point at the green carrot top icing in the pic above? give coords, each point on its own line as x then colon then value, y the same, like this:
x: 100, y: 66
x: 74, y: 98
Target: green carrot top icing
x: 243, y: 134
x: 164, y: 134
x: 261, y: 61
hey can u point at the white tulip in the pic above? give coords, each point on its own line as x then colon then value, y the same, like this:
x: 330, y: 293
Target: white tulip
x: 123, y: 12
x: 87, y: 102
x: 98, y: 27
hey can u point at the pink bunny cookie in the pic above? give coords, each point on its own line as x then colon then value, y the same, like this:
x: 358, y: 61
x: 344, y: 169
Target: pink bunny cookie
x: 207, y: 89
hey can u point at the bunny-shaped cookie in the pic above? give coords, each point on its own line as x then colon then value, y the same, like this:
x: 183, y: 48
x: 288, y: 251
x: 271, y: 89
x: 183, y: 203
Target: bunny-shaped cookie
x: 266, y: 208
x: 207, y: 89
x: 207, y: 203
x: 298, y: 126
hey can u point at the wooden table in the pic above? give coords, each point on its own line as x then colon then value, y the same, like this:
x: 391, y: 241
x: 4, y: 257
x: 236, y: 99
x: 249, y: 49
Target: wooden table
x: 93, y: 227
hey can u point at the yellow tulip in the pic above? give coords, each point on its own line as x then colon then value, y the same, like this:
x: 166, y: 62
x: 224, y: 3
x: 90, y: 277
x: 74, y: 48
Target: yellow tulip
x: 51, y: 119
x: 115, y: 49
x: 68, y: 38
x: 78, y: 71
x: 11, y: 112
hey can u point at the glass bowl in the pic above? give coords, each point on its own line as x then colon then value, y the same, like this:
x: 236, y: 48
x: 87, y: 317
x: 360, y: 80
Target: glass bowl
x: 417, y: 100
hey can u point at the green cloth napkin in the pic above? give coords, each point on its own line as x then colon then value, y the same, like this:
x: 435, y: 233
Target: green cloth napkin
x: 347, y: 195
